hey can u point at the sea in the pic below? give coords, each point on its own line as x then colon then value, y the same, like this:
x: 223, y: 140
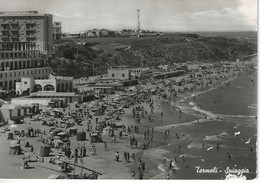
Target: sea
x: 218, y: 140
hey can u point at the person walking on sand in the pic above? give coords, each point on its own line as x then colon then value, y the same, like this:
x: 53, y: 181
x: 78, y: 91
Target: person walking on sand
x: 152, y: 137
x: 133, y: 157
x: 140, y: 175
x: 25, y: 164
x: 164, y: 161
x: 179, y: 147
x: 128, y: 157
x: 117, y: 156
x: 229, y: 156
x: 125, y: 156
x: 105, y: 145
x: 143, y: 166
x: 170, y: 165
x: 183, y: 158
x: 217, y: 146
x: 94, y: 150
x: 84, y: 151
x: 133, y: 175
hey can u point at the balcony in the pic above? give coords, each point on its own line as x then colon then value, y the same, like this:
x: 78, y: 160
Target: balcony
x: 5, y: 30
x: 14, y: 39
x: 15, y: 36
x: 30, y: 23
x: 15, y: 30
x: 30, y: 29
x: 5, y: 36
x: 30, y: 36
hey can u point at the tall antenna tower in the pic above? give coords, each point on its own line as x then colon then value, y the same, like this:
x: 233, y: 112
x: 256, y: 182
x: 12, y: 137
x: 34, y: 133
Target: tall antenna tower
x: 138, y: 20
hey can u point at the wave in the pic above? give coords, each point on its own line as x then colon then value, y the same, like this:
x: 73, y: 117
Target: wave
x: 196, y: 145
x: 192, y: 108
x: 208, y: 113
x: 224, y: 135
x: 156, y: 153
x: 163, y: 128
x: 162, y: 167
x: 187, y: 156
x: 219, y: 137
x: 212, y: 138
x: 252, y: 106
x: 192, y: 103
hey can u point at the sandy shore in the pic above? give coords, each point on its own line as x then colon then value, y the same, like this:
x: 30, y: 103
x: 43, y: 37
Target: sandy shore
x: 198, y: 141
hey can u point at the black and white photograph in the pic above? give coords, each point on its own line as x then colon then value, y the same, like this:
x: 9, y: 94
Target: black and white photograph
x: 128, y: 89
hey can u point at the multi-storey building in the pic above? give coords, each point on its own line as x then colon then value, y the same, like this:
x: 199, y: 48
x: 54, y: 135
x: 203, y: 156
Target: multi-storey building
x: 27, y: 26
x: 20, y: 59
x: 57, y: 31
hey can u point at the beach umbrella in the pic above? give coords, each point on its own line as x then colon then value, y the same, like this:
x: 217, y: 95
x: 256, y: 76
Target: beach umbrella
x: 57, y: 110
x: 56, y: 137
x: 72, y: 128
x: 13, y: 126
x: 50, y: 137
x: 61, y: 133
x: 67, y: 117
x: 55, y: 176
x: 56, y: 130
x: 14, y: 143
x: 58, y: 141
x: 29, y: 128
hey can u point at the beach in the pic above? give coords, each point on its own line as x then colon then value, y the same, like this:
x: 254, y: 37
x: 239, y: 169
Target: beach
x: 212, y: 130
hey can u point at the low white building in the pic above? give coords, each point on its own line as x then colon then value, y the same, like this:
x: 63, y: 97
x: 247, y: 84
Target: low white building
x: 119, y: 73
x: 53, y: 84
x: 137, y: 72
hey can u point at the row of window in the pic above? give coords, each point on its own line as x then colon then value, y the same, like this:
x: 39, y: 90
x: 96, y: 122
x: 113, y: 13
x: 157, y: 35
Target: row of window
x: 4, y: 85
x: 11, y: 46
x: 18, y: 55
x: 16, y: 65
x: 24, y: 73
x: 113, y: 75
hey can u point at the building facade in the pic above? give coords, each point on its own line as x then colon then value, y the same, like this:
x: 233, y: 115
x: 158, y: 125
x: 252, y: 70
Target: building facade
x: 93, y: 33
x: 53, y: 84
x: 20, y: 59
x: 106, y: 33
x: 27, y: 26
x: 119, y: 73
x: 57, y: 31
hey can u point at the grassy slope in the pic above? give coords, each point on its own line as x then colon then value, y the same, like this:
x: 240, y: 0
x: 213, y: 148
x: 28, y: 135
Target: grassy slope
x: 152, y: 51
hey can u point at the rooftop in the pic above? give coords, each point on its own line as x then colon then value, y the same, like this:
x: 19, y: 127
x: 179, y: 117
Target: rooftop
x: 21, y: 13
x: 121, y: 67
x: 55, y: 94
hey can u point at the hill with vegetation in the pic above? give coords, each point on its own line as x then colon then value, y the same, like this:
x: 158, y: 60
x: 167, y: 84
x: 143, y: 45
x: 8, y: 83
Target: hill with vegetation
x: 101, y: 53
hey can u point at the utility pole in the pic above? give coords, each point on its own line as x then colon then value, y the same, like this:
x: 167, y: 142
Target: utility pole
x: 77, y: 49
x: 138, y: 20
x: 77, y: 45
x: 93, y: 68
x: 74, y: 167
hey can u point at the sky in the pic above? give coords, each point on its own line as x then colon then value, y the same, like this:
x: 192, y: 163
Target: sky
x: 160, y: 15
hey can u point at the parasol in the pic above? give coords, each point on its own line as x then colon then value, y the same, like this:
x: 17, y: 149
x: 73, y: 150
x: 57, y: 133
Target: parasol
x: 29, y: 128
x: 61, y: 133
x: 13, y: 126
